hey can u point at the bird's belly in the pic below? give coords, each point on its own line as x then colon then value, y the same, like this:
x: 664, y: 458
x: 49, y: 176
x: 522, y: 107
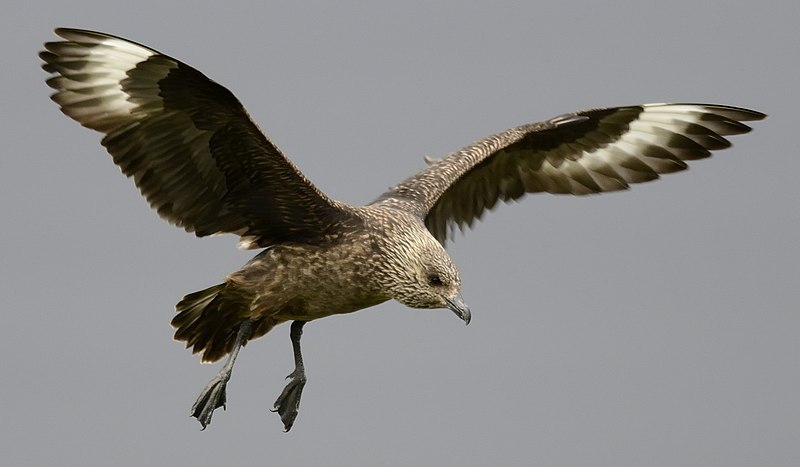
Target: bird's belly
x: 307, y: 309
x: 302, y: 283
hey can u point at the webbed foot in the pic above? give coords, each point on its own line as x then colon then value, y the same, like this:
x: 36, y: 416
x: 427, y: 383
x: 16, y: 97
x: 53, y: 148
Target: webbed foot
x: 288, y: 403
x: 212, y: 397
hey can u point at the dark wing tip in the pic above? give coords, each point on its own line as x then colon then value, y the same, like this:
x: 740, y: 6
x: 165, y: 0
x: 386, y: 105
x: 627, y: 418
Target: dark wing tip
x: 48, y: 58
x: 74, y: 34
x: 735, y: 113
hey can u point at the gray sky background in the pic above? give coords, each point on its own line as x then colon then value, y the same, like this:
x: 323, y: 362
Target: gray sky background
x: 657, y: 326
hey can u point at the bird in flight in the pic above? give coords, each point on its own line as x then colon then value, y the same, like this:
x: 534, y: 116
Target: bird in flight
x: 204, y: 165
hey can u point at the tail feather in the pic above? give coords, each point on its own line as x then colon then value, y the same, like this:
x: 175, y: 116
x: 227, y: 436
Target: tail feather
x: 208, y: 320
x: 189, y: 311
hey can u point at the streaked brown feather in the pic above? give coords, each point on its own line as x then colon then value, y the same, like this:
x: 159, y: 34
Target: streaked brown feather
x: 201, y: 163
x: 582, y: 153
x: 187, y: 142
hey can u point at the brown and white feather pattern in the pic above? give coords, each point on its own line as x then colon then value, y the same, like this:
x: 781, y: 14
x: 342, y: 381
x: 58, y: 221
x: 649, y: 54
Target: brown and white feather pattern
x: 202, y: 163
x: 581, y: 153
x: 187, y: 142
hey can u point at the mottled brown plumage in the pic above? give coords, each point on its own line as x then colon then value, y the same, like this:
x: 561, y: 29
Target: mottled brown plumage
x: 203, y: 165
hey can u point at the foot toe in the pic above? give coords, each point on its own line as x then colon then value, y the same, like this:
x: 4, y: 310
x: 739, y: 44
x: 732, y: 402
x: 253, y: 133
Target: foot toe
x: 288, y: 403
x: 212, y: 397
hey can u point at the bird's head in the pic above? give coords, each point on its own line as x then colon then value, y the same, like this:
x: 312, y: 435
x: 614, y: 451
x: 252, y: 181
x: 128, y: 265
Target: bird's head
x: 423, y: 275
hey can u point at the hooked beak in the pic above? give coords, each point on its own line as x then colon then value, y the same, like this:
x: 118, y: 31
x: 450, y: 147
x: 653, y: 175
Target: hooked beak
x: 459, y: 307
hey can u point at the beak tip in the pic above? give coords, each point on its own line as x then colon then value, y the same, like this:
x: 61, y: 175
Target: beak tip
x: 460, y: 308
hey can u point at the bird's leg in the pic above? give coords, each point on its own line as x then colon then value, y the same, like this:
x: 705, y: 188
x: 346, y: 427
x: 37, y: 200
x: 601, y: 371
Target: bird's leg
x: 213, y: 395
x: 288, y: 402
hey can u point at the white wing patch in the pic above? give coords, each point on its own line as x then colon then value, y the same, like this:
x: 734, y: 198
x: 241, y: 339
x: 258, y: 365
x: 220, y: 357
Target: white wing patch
x: 91, y: 76
x: 658, y: 141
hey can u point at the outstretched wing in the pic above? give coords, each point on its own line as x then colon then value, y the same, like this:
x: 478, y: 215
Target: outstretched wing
x: 186, y: 141
x: 586, y: 152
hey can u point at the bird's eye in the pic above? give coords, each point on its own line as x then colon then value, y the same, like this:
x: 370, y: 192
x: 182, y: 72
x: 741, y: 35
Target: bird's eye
x: 435, y: 280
